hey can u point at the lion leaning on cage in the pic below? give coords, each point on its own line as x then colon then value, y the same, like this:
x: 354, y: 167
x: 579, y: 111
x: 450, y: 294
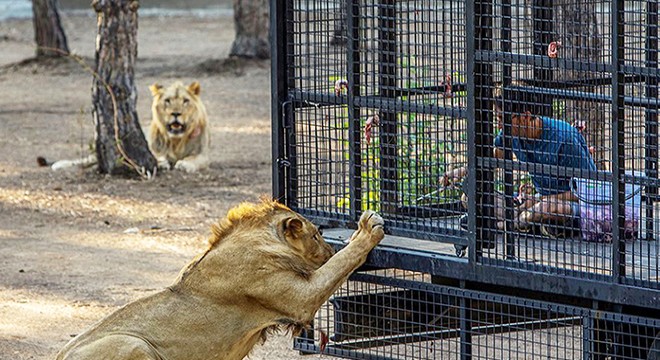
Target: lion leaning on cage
x: 266, y: 267
x: 178, y: 133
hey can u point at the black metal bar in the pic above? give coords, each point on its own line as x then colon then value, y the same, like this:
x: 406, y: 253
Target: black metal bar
x: 507, y: 80
x: 571, y: 310
x: 354, y: 114
x: 338, y: 351
x: 651, y: 115
x: 387, y: 65
x: 396, y: 105
x: 279, y: 86
x: 494, y: 163
x: 580, y: 83
x: 470, y: 189
x: 543, y: 61
x: 618, y: 151
x: 509, y: 236
x: 600, y: 98
x: 543, y: 35
x: 465, y: 327
x: 587, y: 325
x: 312, y: 99
x: 430, y: 90
x: 453, y: 333
x: 481, y: 189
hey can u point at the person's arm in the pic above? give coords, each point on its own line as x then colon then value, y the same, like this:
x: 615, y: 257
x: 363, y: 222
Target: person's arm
x: 453, y: 176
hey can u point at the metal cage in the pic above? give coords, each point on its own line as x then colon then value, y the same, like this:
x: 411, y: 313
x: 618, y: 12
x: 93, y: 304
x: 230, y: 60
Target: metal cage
x: 547, y: 246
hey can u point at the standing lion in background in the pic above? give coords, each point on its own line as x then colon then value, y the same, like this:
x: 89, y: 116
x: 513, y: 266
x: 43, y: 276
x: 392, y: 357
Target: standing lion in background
x: 266, y: 267
x: 178, y: 134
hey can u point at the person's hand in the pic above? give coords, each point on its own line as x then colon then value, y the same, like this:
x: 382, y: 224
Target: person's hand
x: 452, y: 176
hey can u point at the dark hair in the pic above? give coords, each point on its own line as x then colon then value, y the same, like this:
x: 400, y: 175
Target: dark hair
x: 518, y: 101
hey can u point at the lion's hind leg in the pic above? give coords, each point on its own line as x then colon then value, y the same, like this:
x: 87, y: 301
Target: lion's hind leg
x: 114, y: 347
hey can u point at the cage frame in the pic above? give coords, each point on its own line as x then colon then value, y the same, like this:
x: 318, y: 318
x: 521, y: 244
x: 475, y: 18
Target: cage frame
x: 616, y: 293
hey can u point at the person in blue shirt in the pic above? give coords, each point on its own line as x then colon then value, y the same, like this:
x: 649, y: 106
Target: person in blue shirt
x: 538, y: 140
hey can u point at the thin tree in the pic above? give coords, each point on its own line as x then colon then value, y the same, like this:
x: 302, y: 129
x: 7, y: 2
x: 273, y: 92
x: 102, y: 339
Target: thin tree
x: 251, y: 19
x: 48, y: 32
x: 121, y: 147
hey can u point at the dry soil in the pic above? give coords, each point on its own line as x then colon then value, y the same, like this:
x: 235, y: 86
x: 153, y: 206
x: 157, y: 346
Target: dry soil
x: 74, y: 246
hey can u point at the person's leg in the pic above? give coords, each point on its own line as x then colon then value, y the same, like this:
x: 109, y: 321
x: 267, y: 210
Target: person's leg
x: 556, y: 215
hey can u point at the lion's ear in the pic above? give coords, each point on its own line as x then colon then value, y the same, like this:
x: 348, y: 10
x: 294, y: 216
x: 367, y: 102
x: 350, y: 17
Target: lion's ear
x: 156, y: 89
x: 195, y: 88
x: 292, y: 226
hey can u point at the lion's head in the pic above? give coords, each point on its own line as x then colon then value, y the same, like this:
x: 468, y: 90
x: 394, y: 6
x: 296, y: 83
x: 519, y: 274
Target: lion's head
x: 177, y: 108
x: 282, y: 235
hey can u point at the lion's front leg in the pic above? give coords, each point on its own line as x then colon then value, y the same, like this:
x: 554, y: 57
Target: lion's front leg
x: 163, y: 164
x: 329, y: 277
x: 297, y: 297
x: 192, y: 163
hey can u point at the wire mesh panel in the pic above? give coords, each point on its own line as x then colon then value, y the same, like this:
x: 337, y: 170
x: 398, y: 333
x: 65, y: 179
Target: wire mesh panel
x: 386, y: 79
x: 571, y: 123
x: 551, y: 103
x: 401, y: 315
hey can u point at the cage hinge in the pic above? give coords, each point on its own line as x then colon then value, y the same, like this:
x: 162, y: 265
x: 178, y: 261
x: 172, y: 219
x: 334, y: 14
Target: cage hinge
x: 286, y: 120
x: 281, y: 162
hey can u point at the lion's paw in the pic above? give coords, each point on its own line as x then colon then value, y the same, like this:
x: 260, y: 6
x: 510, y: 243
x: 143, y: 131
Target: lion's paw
x: 186, y: 166
x: 372, y: 224
x: 163, y: 164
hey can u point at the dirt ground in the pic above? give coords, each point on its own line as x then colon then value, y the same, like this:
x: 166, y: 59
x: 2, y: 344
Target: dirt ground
x: 74, y: 246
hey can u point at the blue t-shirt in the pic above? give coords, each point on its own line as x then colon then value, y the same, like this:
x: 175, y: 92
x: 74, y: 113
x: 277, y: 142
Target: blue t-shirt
x: 560, y: 144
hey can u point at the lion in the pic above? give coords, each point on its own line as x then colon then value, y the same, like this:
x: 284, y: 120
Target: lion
x: 178, y: 133
x: 266, y: 268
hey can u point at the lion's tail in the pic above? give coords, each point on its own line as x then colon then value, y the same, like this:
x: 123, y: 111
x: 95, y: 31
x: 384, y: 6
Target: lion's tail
x: 42, y: 162
x: 68, y: 164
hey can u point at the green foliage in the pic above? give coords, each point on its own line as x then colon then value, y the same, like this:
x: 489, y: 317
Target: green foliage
x: 422, y: 155
x: 559, y: 109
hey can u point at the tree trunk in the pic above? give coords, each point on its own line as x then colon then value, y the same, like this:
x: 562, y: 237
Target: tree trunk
x: 120, y: 144
x: 340, y: 33
x: 581, y: 41
x: 48, y: 32
x: 251, y: 19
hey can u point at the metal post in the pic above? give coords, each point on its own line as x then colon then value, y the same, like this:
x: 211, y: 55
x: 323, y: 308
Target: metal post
x: 480, y: 127
x: 618, y: 151
x: 465, y: 326
x: 353, y: 58
x: 507, y: 79
x: 543, y: 35
x: 279, y: 86
x: 387, y: 54
x: 651, y: 114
